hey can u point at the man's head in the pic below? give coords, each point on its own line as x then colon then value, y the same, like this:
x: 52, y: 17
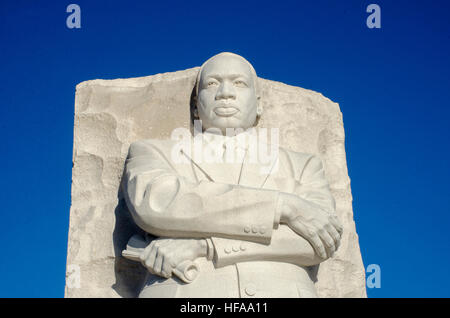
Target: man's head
x: 227, y: 93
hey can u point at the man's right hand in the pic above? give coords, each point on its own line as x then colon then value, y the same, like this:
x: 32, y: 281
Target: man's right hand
x: 162, y: 255
x: 321, y: 228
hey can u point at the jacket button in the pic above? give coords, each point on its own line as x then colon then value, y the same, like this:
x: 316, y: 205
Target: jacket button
x: 262, y: 230
x: 250, y: 290
x: 247, y: 229
x: 227, y: 250
x: 235, y: 248
x: 243, y: 247
x: 254, y: 229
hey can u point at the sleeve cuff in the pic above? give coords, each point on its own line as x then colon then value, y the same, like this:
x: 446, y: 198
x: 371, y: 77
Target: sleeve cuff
x: 210, y: 251
x: 278, y: 207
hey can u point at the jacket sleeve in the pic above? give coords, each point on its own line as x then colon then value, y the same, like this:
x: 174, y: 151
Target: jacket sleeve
x: 314, y: 187
x: 164, y: 203
x: 286, y: 246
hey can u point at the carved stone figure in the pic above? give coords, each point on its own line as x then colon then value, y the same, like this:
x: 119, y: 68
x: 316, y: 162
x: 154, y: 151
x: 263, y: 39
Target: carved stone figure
x: 228, y: 228
x: 105, y: 245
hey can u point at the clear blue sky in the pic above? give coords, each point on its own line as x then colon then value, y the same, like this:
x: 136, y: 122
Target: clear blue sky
x: 392, y: 85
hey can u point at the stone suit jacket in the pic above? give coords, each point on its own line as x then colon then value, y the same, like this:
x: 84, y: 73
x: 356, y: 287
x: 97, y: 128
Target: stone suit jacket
x: 237, y: 208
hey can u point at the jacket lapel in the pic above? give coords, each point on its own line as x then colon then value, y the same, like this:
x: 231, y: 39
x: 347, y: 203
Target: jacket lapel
x: 238, y: 165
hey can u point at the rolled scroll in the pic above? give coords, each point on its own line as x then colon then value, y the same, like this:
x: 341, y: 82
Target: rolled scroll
x: 187, y: 271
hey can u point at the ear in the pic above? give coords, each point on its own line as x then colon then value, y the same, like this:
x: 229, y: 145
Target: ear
x: 195, y: 107
x: 195, y: 112
x: 259, y: 108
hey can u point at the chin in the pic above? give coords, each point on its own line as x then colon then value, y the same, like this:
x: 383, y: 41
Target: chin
x: 228, y: 122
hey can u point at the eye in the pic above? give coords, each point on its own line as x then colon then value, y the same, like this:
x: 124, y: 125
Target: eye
x: 240, y: 83
x: 211, y: 83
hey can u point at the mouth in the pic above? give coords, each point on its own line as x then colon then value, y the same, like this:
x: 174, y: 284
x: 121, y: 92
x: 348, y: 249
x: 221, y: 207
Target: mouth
x: 225, y: 111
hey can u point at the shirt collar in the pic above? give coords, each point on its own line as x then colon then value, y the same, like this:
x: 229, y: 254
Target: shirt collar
x: 241, y: 140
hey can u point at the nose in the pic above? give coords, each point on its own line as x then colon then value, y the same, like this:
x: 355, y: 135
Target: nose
x: 226, y: 91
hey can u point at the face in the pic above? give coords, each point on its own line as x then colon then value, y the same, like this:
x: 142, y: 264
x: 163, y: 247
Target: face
x: 226, y: 94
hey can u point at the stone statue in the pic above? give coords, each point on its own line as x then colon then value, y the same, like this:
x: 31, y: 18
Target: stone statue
x: 225, y: 227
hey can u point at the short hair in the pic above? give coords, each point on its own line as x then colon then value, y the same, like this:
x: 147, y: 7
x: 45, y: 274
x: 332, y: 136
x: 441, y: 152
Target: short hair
x: 252, y: 70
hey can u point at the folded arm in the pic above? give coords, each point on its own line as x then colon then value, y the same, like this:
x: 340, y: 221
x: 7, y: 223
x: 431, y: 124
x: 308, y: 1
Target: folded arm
x: 313, y: 234
x: 165, y: 204
x: 286, y: 246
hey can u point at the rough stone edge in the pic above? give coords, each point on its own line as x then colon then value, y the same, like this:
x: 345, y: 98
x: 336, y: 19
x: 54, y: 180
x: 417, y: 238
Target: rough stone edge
x: 142, y: 81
